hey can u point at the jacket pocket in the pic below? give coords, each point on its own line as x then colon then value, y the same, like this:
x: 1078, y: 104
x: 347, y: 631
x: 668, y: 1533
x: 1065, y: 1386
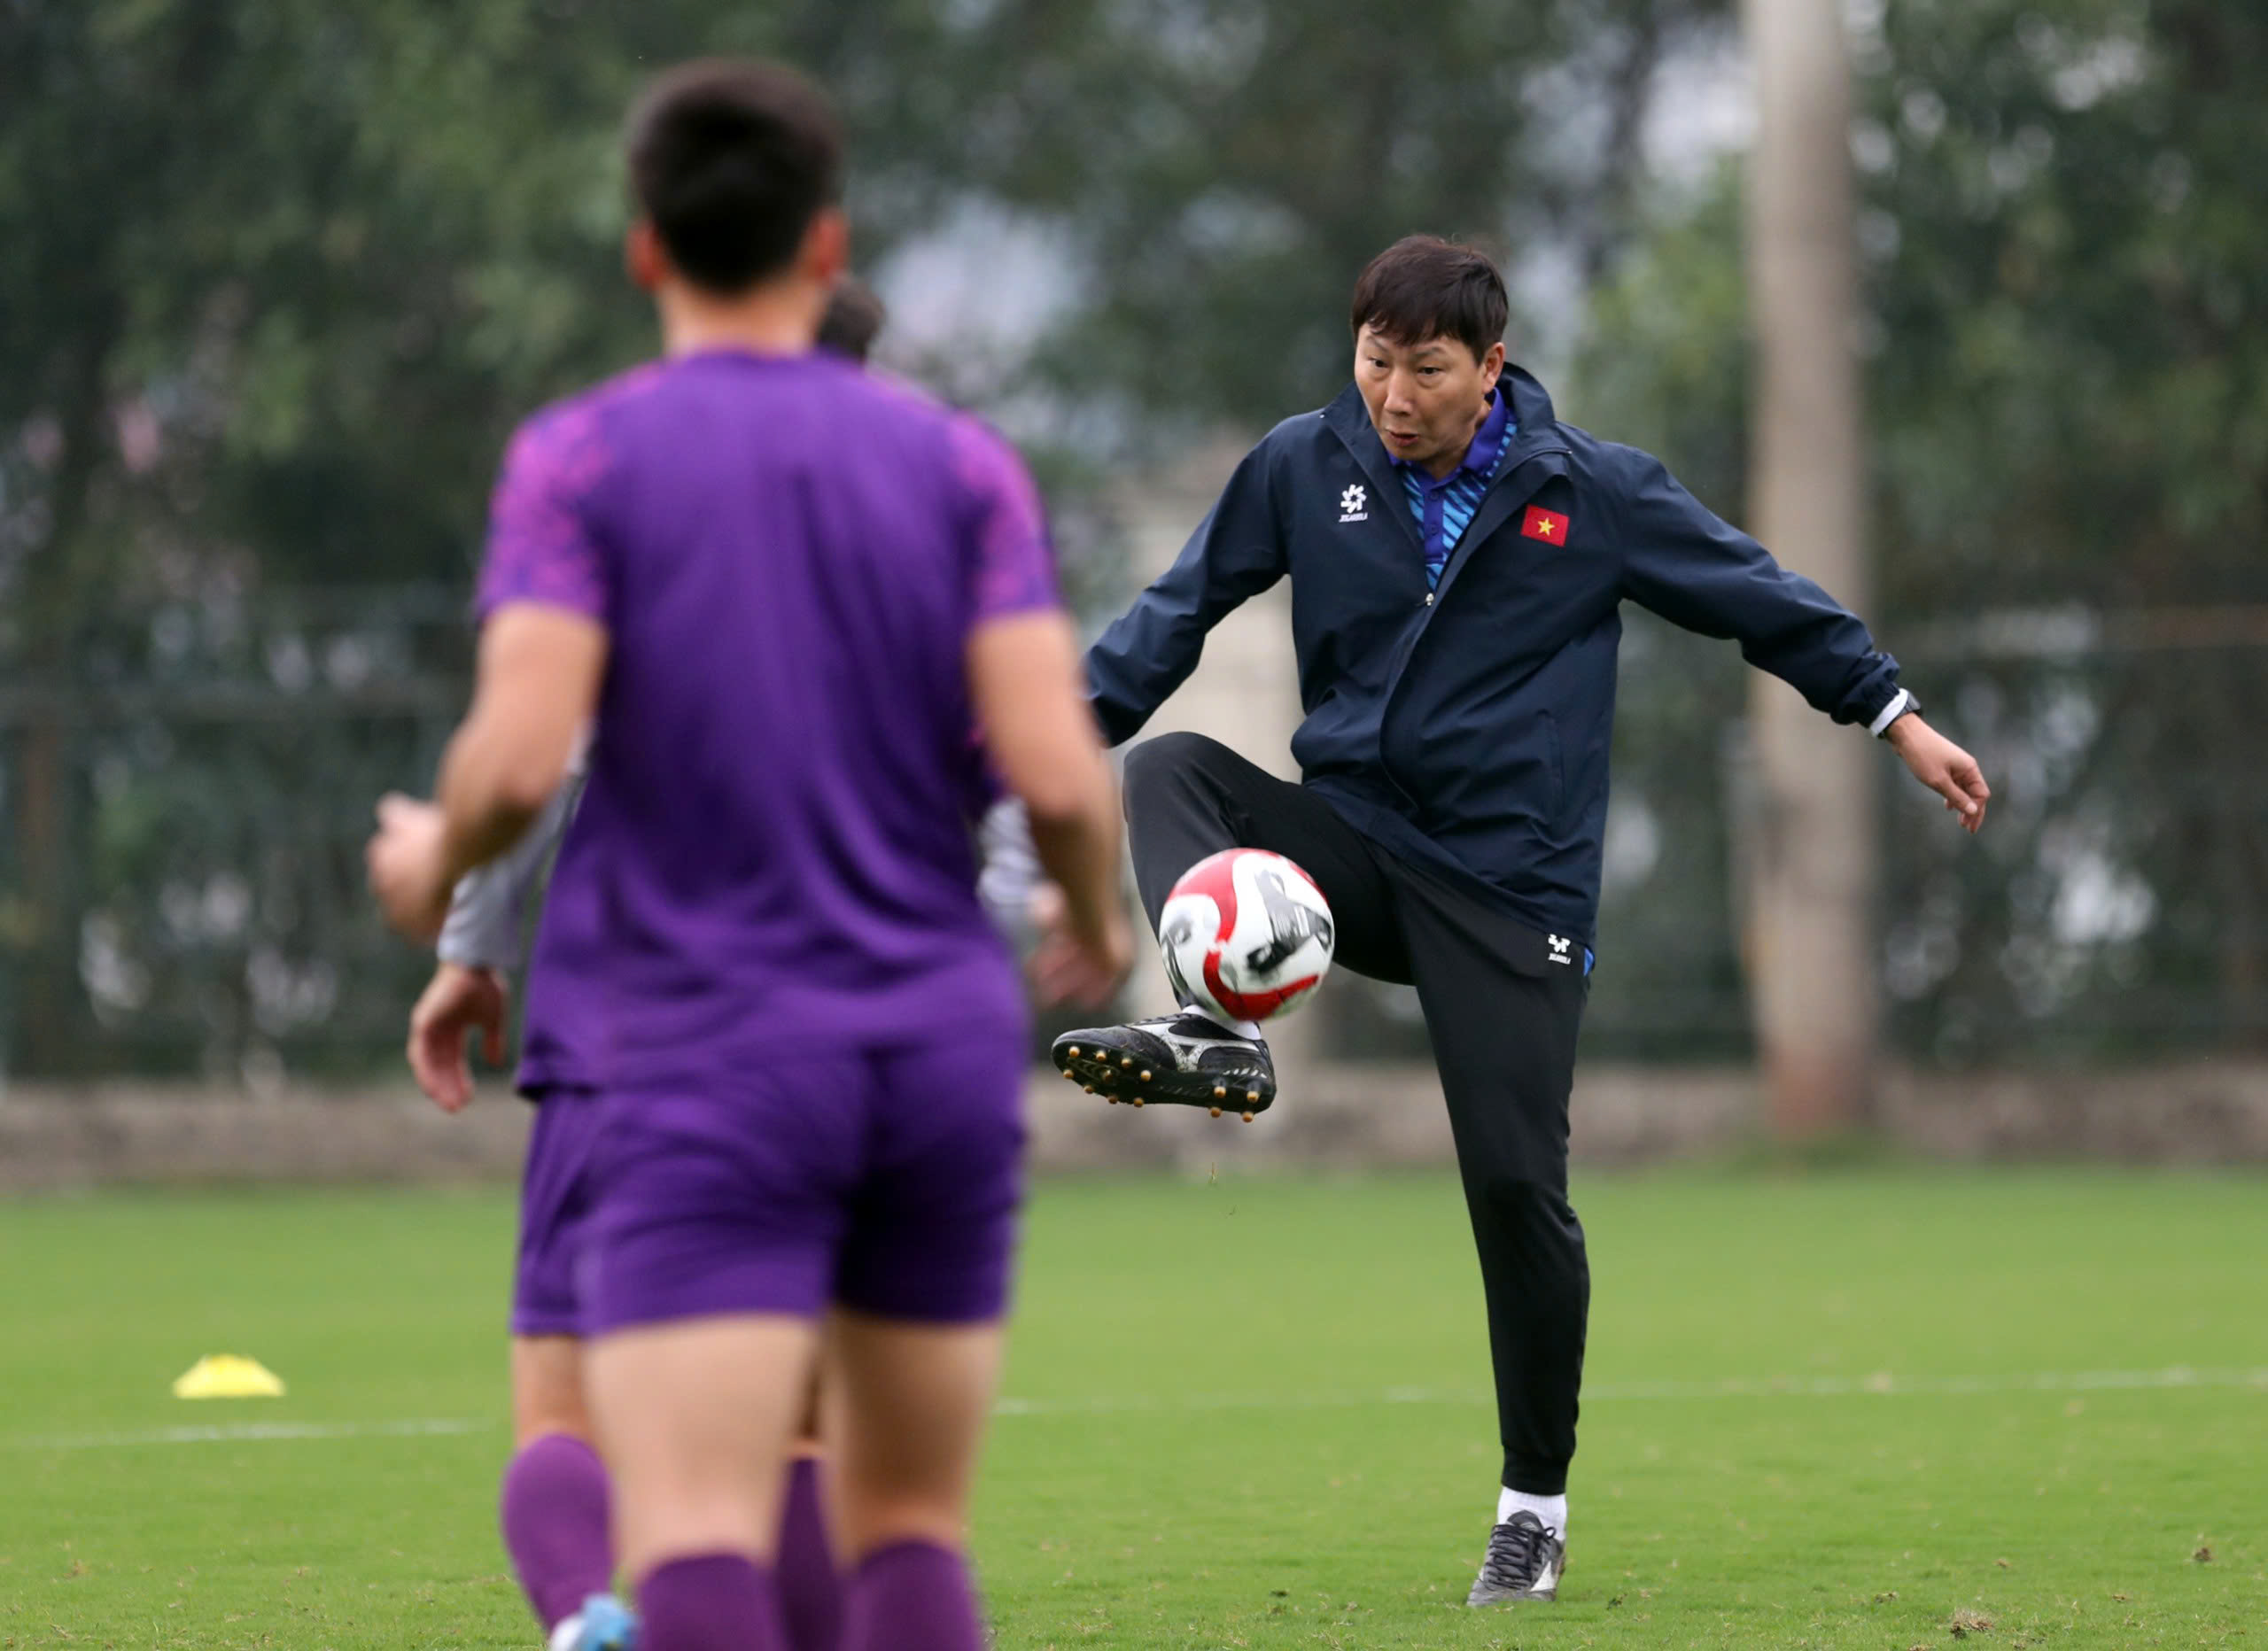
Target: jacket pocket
x: 1555, y: 765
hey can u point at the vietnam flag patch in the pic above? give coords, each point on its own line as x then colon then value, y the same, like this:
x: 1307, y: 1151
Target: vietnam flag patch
x: 1548, y: 526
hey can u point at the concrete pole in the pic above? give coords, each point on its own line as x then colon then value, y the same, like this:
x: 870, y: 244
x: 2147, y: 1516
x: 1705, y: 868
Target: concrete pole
x: 1809, y: 939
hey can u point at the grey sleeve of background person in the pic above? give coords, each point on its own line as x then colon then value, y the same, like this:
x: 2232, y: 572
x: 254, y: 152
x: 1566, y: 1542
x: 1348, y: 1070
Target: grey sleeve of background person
x: 489, y: 906
x: 1236, y: 552
x: 1010, y: 873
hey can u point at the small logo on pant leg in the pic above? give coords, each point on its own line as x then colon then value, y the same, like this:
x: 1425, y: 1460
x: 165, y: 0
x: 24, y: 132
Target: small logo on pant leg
x: 1354, y: 505
x: 1561, y: 946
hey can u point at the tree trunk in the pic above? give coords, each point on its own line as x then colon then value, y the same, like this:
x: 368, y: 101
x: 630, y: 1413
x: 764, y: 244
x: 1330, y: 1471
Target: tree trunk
x: 1809, y: 939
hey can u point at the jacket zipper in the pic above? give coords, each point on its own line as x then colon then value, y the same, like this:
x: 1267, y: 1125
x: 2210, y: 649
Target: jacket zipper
x: 1409, y: 649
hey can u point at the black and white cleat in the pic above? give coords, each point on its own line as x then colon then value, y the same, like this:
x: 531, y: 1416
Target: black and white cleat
x: 1184, y: 1059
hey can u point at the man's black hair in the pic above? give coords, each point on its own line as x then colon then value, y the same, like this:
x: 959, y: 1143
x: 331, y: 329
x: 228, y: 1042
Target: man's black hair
x: 1423, y: 287
x: 730, y: 160
x: 853, y: 319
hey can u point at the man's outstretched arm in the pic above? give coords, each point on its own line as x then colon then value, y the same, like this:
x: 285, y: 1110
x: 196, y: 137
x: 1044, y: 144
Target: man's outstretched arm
x: 1943, y: 766
x: 1696, y: 570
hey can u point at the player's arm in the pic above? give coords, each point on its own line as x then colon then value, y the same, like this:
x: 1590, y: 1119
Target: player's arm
x: 1236, y: 554
x: 538, y: 682
x: 1023, y: 674
x: 544, y: 590
x: 1696, y: 570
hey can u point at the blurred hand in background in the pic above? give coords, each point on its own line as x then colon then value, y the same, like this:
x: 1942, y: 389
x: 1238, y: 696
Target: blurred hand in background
x: 457, y: 1000
x: 408, y: 867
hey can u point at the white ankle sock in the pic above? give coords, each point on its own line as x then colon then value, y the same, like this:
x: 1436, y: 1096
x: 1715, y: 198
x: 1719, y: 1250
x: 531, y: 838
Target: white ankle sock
x: 1552, y: 1510
x: 1242, y: 1028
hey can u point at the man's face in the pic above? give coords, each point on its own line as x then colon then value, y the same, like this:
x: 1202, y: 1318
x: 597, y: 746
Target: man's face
x: 1425, y: 399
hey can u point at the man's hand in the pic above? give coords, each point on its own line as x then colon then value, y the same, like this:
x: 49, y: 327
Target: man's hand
x: 408, y: 866
x: 1943, y: 766
x: 455, y: 1000
x: 1067, y: 967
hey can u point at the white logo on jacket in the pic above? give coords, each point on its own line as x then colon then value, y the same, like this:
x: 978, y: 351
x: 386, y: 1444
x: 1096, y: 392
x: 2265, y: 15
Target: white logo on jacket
x: 1354, y: 505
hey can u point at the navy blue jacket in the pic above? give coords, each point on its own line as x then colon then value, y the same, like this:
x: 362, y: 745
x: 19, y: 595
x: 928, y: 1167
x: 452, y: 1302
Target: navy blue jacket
x: 1467, y: 728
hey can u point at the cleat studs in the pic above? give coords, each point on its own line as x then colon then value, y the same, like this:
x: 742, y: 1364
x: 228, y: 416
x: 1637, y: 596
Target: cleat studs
x: 1220, y: 1092
x: 1251, y: 1098
x: 1216, y: 1111
x: 1145, y: 1077
x: 1091, y: 1089
x: 1134, y: 1100
x: 1126, y: 1060
x: 1248, y: 1117
x: 1073, y: 1052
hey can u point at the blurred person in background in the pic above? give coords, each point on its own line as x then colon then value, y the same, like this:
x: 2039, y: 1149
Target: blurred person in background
x: 1458, y: 559
x: 788, y: 592
x: 554, y: 1504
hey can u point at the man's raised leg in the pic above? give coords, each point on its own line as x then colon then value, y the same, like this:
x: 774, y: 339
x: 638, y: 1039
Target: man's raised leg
x: 1188, y: 796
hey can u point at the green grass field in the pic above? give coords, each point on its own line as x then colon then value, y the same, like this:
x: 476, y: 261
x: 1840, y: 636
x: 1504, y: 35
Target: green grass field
x: 1840, y: 1410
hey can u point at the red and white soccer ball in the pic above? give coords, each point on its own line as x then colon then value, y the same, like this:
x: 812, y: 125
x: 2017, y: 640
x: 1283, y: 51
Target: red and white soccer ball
x: 1247, y: 935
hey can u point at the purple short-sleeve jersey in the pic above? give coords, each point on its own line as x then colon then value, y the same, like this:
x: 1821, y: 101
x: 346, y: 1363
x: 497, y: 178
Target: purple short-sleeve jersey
x: 788, y: 556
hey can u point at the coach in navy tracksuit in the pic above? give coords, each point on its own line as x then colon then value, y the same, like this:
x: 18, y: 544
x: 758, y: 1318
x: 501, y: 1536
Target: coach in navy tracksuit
x: 1458, y: 561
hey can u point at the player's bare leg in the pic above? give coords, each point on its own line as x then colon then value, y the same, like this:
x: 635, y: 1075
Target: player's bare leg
x: 907, y: 1405
x: 548, y: 1389
x: 697, y: 1416
x: 553, y: 1506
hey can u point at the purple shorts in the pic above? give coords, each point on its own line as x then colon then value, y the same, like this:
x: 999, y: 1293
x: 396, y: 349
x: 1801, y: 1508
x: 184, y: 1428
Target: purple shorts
x: 885, y: 1181
x: 558, y: 1198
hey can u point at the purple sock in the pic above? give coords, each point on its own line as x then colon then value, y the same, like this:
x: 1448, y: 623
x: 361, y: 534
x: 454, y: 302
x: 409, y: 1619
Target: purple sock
x: 709, y: 1602
x: 911, y: 1596
x: 811, y: 1591
x: 554, y: 1513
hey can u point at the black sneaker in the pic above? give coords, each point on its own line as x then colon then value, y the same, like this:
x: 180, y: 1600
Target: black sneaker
x: 1184, y: 1058
x: 1526, y: 1560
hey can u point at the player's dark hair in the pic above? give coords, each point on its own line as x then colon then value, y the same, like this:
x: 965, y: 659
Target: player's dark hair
x: 730, y: 160
x: 1423, y: 287
x: 854, y: 318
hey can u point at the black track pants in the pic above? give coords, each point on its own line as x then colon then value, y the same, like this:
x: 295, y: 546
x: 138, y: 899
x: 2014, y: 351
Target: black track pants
x: 1503, y: 1016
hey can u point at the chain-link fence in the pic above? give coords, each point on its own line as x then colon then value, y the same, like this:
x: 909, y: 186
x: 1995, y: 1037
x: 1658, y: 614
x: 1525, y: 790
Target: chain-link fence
x: 2114, y: 907
x: 184, y: 812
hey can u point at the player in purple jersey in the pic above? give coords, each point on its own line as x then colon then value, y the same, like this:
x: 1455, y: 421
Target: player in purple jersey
x: 787, y: 592
x: 554, y: 1504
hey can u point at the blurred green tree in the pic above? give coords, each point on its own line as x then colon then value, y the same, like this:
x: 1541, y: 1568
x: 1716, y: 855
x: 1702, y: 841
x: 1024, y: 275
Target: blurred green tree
x: 279, y: 278
x: 281, y: 275
x: 2067, y: 256
x: 1223, y: 170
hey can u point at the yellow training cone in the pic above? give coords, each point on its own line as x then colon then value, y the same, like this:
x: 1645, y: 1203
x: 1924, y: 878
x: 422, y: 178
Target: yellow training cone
x: 224, y: 1375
